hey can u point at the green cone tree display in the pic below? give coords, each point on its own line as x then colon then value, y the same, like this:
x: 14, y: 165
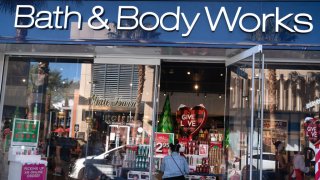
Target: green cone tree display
x: 165, y: 124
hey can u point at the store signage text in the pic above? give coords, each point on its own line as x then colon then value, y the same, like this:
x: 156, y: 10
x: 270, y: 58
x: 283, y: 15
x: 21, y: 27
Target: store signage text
x: 116, y: 102
x: 313, y: 103
x: 312, y: 130
x: 119, y: 118
x: 60, y: 17
x: 33, y: 172
x: 162, y: 141
x: 191, y: 120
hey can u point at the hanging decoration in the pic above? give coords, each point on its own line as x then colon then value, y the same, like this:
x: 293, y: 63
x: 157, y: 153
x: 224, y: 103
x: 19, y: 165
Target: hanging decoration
x: 191, y: 120
x: 312, y: 130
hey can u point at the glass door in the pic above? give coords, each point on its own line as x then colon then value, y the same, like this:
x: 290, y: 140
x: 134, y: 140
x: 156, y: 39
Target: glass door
x: 244, y: 113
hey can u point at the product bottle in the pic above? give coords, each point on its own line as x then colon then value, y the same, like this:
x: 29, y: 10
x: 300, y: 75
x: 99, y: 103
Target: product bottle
x: 206, y: 132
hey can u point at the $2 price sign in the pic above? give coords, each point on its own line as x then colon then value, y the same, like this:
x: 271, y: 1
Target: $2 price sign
x: 162, y: 147
x: 162, y: 141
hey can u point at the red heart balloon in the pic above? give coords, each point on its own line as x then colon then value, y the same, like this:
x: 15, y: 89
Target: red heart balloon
x: 312, y: 130
x: 191, y: 120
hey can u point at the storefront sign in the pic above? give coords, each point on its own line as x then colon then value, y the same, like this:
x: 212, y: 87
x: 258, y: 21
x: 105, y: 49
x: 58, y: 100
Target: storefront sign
x: 303, y: 21
x: 313, y: 103
x: 33, y: 172
x: 278, y: 124
x: 312, y: 130
x: 116, y: 102
x: 162, y: 141
x: 25, y: 132
x: 191, y: 120
x: 120, y: 118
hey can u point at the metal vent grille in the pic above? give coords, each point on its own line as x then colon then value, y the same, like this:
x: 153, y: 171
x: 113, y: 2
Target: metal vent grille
x: 115, y: 81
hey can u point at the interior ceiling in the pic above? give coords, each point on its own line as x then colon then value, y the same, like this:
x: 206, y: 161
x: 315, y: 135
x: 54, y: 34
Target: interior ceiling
x: 210, y: 77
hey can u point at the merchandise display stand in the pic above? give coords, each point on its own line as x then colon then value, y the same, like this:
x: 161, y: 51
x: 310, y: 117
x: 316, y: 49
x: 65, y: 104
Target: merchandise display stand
x: 24, y: 161
x: 26, y: 166
x: 137, y: 159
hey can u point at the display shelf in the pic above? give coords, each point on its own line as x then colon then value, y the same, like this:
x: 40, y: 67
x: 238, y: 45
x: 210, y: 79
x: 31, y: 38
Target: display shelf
x: 196, y: 155
x: 204, y: 174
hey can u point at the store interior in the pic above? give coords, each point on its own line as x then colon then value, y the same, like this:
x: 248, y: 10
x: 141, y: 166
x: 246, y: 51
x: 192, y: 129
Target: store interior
x: 195, y: 92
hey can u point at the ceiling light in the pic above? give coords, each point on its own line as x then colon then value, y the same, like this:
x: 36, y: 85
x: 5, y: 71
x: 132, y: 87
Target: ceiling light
x: 130, y: 84
x: 196, y: 87
x: 220, y: 96
x: 23, y: 80
x: 188, y: 72
x: 140, y: 130
x: 221, y: 74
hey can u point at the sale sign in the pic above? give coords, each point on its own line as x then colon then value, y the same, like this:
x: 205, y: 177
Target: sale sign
x: 33, y: 172
x: 162, y: 141
x: 191, y: 120
x: 312, y: 130
x: 25, y: 132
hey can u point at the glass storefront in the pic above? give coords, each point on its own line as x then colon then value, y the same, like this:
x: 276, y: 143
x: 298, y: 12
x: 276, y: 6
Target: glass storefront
x: 95, y: 119
x: 242, y: 115
x: 273, y: 106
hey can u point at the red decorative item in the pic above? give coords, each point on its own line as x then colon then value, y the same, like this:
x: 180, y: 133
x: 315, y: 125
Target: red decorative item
x: 312, y: 130
x: 191, y: 120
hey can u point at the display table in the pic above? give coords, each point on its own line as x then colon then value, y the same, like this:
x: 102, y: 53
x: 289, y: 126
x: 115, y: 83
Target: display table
x: 26, y: 167
x: 124, y: 171
x: 206, y: 176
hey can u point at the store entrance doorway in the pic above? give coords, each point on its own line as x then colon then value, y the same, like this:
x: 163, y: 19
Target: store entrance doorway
x: 244, y: 113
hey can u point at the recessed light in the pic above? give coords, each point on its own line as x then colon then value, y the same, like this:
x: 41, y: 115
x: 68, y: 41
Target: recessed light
x: 23, y: 80
x: 188, y: 72
x: 220, y: 96
x: 221, y: 74
x: 196, y: 86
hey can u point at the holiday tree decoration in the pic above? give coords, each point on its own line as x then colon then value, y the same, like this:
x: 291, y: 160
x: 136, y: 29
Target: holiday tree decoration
x: 165, y: 124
